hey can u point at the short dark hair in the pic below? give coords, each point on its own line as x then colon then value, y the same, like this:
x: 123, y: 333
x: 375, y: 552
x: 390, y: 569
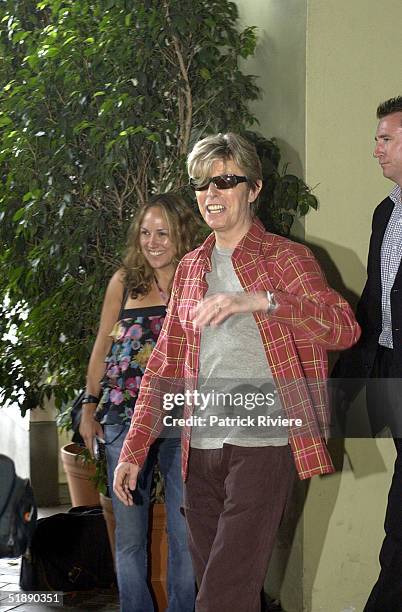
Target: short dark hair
x: 393, y: 105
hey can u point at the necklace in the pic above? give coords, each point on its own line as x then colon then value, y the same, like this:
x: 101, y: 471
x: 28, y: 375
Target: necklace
x: 164, y: 295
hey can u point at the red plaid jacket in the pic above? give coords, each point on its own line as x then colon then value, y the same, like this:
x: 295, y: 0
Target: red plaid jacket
x: 311, y: 318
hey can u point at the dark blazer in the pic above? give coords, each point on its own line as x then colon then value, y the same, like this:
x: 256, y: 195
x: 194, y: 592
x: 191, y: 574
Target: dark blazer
x: 355, y: 364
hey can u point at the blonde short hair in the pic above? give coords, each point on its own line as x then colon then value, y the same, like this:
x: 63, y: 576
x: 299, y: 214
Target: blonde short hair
x: 224, y: 147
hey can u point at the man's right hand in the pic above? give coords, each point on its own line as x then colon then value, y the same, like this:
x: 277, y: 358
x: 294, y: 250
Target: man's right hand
x: 125, y: 481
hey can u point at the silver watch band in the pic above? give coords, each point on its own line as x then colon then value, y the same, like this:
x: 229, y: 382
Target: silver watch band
x: 271, y: 302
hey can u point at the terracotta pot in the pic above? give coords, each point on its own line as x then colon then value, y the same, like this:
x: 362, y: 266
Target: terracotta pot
x: 82, y: 489
x: 158, y: 550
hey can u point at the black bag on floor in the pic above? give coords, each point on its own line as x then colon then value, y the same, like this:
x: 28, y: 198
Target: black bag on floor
x: 17, y: 511
x: 69, y: 552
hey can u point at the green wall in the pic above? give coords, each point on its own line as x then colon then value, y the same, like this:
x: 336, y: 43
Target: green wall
x: 324, y: 65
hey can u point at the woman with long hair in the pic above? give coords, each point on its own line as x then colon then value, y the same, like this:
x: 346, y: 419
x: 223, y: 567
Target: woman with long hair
x: 133, y: 312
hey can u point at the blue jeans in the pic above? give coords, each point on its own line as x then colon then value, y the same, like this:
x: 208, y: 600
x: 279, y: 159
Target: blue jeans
x: 132, y: 528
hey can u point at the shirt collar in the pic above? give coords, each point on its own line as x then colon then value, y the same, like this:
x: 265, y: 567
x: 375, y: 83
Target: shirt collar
x: 251, y: 242
x: 396, y: 195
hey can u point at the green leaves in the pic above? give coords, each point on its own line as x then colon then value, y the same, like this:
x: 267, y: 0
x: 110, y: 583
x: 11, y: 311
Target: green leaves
x: 205, y: 74
x: 4, y: 120
x: 248, y: 40
x: 99, y: 106
x: 283, y: 196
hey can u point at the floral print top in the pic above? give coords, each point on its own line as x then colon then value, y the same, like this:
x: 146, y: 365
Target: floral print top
x: 134, y: 337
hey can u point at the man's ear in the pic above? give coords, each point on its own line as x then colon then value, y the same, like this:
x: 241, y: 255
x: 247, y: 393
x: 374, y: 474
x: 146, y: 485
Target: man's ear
x: 255, y: 191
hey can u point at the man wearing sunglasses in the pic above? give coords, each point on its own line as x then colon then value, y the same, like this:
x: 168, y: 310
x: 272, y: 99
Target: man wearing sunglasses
x: 246, y: 305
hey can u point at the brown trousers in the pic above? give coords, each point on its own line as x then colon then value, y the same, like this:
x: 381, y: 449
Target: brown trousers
x: 234, y: 500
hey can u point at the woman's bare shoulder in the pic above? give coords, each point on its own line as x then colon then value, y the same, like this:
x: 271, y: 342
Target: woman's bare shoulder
x: 115, y: 288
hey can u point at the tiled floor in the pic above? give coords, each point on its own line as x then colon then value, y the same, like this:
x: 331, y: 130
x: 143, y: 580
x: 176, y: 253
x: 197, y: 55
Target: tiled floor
x: 103, y: 600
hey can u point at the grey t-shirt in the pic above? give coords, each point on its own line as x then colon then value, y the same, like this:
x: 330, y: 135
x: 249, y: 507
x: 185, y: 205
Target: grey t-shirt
x: 235, y: 381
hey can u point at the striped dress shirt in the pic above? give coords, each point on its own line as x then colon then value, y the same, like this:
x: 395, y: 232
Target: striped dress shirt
x: 391, y: 254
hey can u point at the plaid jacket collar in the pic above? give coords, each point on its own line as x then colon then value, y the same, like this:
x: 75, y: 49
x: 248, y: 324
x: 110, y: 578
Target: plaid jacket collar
x: 250, y: 243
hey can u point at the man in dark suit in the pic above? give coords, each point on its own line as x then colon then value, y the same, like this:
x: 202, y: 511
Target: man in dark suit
x: 377, y: 357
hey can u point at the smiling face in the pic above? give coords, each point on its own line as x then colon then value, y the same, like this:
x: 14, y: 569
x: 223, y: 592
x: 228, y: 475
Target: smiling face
x: 388, y: 149
x: 155, y: 241
x: 227, y: 211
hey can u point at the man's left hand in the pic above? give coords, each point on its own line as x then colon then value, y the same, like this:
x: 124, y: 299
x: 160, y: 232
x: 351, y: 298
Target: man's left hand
x: 215, y: 309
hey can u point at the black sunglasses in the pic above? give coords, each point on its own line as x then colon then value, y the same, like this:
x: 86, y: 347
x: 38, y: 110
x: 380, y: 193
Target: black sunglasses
x: 223, y: 181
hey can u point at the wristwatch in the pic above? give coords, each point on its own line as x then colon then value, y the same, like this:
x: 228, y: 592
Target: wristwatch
x: 272, y: 304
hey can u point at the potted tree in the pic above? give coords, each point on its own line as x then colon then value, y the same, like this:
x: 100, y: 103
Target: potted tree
x: 100, y: 105
x: 84, y: 476
x: 99, y: 110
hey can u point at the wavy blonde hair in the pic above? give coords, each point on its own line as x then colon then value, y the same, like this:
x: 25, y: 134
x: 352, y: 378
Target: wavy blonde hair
x: 184, y: 229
